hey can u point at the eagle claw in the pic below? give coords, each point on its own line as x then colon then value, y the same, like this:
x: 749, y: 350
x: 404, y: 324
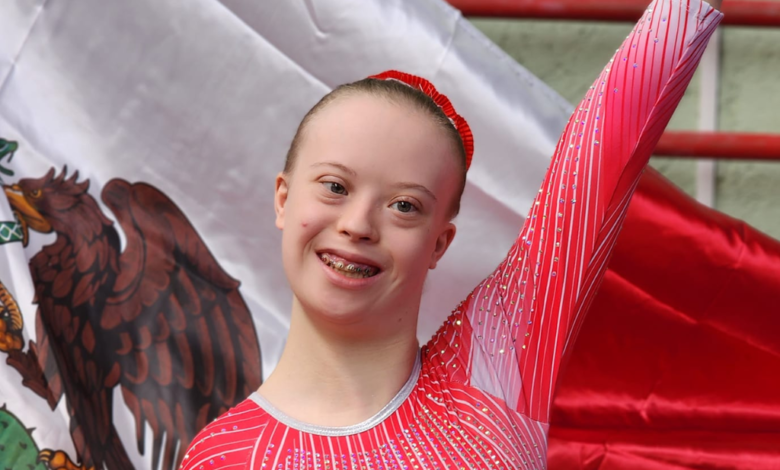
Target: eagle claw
x: 59, y: 460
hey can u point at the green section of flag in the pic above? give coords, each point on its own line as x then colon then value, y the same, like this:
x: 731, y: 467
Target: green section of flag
x: 10, y: 232
x: 7, y: 149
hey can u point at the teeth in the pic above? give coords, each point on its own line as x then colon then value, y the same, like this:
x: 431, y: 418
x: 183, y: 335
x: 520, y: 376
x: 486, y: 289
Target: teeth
x: 350, y: 270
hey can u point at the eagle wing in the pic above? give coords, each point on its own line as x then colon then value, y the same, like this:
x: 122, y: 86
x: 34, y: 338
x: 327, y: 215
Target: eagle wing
x: 188, y: 348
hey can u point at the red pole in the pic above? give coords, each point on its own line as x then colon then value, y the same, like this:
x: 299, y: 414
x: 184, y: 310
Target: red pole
x: 680, y: 144
x: 719, y: 145
x: 737, y: 12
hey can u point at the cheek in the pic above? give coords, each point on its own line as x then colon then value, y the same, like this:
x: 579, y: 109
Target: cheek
x: 305, y: 227
x: 303, y: 211
x: 414, y: 250
x: 297, y: 239
x: 306, y: 222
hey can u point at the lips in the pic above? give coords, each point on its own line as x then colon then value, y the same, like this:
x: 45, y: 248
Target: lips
x: 349, y: 266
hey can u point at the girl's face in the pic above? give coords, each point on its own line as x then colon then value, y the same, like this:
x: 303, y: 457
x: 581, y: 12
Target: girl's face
x: 365, y: 211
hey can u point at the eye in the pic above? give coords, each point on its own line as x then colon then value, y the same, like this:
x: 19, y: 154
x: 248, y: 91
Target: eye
x: 404, y: 206
x: 335, y: 188
x: 36, y: 193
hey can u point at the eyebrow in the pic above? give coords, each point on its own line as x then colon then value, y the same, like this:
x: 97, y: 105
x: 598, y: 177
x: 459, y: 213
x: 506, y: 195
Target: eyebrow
x: 341, y: 167
x: 353, y: 173
x: 418, y: 187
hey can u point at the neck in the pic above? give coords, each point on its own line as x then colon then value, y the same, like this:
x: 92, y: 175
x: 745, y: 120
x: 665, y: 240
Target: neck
x: 330, y: 379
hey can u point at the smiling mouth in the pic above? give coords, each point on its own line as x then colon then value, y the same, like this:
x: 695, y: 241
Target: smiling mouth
x: 348, y: 269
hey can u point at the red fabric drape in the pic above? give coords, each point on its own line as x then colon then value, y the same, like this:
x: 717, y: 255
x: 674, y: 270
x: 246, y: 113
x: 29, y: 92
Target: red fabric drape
x: 678, y: 364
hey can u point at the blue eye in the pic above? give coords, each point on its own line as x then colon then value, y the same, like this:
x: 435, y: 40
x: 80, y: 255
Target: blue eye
x: 404, y: 206
x: 335, y: 187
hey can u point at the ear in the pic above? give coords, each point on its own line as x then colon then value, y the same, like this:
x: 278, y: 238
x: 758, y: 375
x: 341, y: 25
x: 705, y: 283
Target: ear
x: 280, y: 198
x: 442, y: 243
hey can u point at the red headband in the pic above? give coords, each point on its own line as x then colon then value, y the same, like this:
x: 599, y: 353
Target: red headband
x: 441, y: 101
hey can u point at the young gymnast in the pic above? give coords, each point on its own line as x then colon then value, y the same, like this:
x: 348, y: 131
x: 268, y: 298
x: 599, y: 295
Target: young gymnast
x: 371, y: 184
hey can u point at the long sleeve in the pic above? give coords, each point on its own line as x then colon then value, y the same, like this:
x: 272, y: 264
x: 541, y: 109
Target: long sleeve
x: 509, y: 336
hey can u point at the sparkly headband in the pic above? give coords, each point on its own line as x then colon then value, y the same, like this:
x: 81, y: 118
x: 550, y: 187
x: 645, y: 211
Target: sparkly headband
x: 441, y: 101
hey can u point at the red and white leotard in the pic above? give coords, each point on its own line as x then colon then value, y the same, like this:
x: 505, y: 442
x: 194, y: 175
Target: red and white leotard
x: 481, y: 390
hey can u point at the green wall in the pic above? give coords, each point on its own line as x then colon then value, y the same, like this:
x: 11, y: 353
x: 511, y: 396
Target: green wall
x: 568, y: 56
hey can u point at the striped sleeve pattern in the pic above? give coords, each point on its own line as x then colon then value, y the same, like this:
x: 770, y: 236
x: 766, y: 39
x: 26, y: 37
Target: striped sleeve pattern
x: 515, y: 327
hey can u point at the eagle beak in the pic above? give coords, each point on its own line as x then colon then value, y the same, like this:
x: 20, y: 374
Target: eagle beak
x: 27, y: 215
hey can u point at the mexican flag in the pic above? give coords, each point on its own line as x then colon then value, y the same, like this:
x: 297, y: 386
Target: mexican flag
x: 141, y: 286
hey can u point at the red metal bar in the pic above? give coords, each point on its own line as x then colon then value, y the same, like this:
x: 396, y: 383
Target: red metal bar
x: 719, y: 145
x: 737, y: 12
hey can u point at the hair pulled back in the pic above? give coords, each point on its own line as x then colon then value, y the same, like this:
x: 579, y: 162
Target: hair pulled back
x: 398, y: 93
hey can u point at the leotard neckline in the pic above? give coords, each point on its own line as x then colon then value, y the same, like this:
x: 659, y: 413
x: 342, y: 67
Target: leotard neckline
x: 363, y: 426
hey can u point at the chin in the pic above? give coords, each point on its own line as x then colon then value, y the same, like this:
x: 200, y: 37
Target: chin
x: 365, y: 304
x: 340, y: 309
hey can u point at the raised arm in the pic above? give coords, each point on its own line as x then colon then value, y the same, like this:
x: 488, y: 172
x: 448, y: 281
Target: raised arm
x: 513, y: 330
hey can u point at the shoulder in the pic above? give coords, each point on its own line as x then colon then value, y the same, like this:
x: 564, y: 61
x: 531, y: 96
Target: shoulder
x: 228, y: 440
x: 446, y: 356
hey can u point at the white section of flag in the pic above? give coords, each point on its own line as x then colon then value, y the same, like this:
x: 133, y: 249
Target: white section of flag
x: 201, y: 99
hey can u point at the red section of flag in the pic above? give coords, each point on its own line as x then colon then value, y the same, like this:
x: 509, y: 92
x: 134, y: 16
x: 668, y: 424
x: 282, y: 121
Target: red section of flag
x: 678, y: 363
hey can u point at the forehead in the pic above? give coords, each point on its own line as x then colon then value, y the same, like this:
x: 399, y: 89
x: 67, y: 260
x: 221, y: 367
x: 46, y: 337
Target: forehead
x: 376, y: 133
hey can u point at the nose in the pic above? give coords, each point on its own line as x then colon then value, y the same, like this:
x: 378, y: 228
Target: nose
x: 358, y: 221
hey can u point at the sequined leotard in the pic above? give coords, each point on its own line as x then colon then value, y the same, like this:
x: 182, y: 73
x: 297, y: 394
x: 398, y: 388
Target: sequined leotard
x: 481, y: 390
